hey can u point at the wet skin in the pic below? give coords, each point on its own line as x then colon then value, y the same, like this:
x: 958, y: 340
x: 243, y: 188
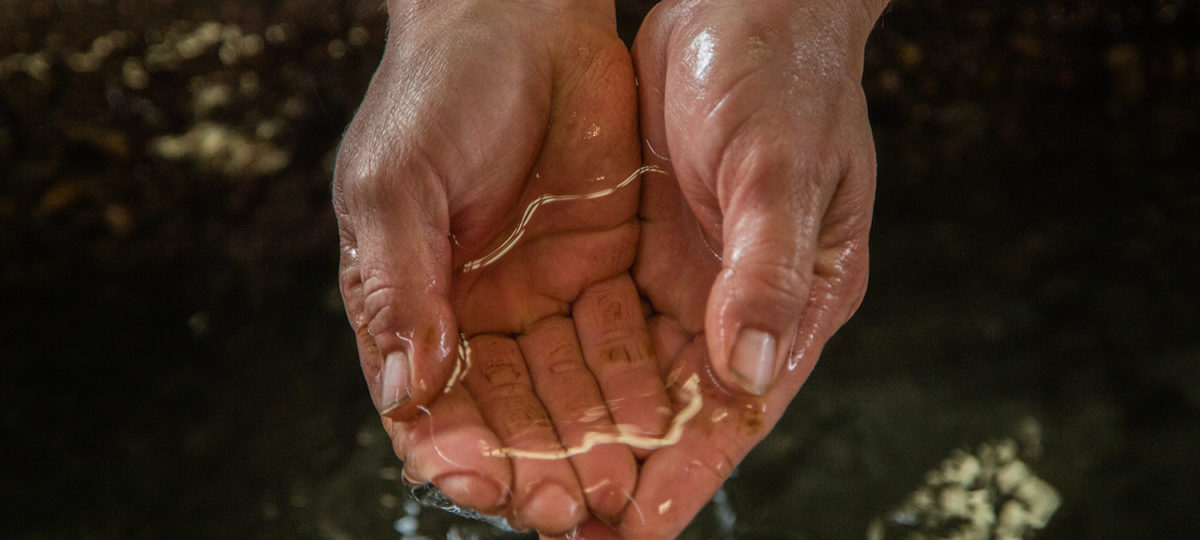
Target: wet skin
x: 756, y: 110
x: 448, y: 149
x: 736, y: 266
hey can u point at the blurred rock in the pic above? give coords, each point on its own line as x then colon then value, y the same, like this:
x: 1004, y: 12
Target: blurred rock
x: 988, y: 495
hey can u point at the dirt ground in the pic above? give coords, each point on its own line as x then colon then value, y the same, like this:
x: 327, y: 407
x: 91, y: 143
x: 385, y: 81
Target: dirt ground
x: 176, y: 363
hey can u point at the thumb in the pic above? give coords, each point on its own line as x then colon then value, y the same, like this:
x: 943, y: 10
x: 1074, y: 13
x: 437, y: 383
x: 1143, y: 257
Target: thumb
x: 394, y: 278
x: 770, y: 227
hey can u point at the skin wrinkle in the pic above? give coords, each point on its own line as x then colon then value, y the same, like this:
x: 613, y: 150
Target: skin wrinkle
x: 752, y: 204
x: 818, y: 315
x: 502, y: 376
x: 565, y: 366
x: 729, y: 143
x: 616, y: 355
x: 851, y: 194
x: 381, y: 318
x: 617, y: 344
x: 386, y: 197
x: 734, y: 142
x: 749, y: 152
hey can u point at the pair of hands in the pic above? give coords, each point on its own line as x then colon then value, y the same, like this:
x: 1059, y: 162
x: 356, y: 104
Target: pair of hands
x: 735, y: 265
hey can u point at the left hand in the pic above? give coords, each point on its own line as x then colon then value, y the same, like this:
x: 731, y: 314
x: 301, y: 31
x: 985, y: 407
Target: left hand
x: 754, y: 250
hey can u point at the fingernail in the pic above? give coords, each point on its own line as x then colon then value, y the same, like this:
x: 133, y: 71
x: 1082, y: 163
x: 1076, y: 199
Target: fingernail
x: 753, y: 361
x: 607, y: 501
x: 551, y: 508
x: 395, y: 381
x: 408, y: 480
x: 472, y: 490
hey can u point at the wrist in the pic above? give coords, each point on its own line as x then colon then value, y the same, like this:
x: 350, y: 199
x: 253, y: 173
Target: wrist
x: 854, y: 18
x: 407, y: 9
x: 875, y: 8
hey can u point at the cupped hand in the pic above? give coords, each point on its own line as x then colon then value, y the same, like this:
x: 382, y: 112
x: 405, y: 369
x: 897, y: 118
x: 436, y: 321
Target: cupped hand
x: 477, y: 112
x: 755, y: 250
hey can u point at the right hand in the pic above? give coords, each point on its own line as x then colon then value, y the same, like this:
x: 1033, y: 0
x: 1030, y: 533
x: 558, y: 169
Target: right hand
x: 479, y: 108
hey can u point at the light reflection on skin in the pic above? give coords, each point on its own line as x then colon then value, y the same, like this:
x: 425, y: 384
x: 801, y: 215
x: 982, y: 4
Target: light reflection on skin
x: 703, y: 51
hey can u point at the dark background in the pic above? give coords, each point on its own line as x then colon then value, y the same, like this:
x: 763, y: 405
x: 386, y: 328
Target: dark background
x: 175, y: 361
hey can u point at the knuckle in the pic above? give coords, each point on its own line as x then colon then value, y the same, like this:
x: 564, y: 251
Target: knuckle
x: 622, y: 352
x: 499, y: 370
x: 618, y: 355
x: 366, y: 178
x: 717, y: 460
x: 358, y: 184
x: 380, y: 301
x: 518, y: 417
x: 566, y: 368
x: 781, y: 283
x: 502, y: 376
x: 508, y: 393
x: 352, y: 172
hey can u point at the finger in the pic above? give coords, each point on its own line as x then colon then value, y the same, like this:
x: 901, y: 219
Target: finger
x: 607, y: 472
x: 594, y: 529
x: 616, y: 346
x: 669, y: 339
x: 677, y: 481
x: 394, y: 280
x: 794, y: 261
x: 839, y: 283
x: 446, y: 444
x: 546, y: 494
